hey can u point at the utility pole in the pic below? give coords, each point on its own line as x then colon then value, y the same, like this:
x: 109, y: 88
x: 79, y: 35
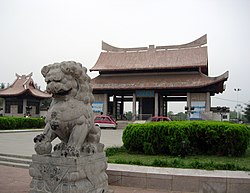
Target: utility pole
x: 237, y: 105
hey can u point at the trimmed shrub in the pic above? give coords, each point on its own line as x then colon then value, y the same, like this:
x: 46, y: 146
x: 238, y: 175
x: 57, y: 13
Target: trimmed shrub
x: 12, y: 123
x: 187, y: 137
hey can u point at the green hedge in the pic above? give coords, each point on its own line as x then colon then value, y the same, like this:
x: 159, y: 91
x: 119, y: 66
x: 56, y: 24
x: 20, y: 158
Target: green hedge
x: 187, y: 137
x: 11, y: 123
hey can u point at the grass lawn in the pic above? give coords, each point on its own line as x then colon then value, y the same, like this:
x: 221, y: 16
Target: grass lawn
x: 121, y: 156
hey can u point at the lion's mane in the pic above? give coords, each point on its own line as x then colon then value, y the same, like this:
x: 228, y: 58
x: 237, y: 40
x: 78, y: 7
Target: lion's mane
x: 79, y: 73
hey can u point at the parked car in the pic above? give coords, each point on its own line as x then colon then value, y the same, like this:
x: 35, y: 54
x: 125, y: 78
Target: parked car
x: 159, y: 118
x: 104, y: 121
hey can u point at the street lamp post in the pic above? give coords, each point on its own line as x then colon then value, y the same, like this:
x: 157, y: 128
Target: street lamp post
x: 237, y: 105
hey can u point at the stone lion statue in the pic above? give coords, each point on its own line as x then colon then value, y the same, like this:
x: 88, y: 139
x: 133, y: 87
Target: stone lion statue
x: 70, y: 116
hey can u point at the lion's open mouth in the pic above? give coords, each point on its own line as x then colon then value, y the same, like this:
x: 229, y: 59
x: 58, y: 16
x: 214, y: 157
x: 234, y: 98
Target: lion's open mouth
x: 63, y: 92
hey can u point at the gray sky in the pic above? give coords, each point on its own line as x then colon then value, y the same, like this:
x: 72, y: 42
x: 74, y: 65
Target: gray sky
x: 34, y: 33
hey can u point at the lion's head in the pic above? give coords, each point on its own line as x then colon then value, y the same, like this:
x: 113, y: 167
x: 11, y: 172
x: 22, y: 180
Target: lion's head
x: 68, y: 79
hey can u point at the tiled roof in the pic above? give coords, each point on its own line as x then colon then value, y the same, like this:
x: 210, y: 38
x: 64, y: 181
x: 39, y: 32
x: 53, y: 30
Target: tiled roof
x: 21, y: 85
x: 149, y: 60
x: 191, y: 55
x: 135, y: 81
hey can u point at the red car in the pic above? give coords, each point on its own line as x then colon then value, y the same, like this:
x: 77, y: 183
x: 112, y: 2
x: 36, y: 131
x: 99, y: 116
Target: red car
x: 104, y: 121
x: 159, y: 118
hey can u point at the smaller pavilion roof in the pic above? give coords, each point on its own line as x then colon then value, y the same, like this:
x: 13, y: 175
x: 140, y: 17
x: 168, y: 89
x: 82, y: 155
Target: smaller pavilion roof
x: 23, y: 84
x: 190, y: 55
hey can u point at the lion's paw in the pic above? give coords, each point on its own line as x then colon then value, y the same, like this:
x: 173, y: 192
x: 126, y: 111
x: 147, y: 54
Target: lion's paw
x: 39, y: 138
x: 71, y: 151
x: 60, y: 146
x: 89, y: 149
x: 43, y: 148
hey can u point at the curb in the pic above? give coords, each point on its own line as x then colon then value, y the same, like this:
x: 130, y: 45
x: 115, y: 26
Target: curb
x: 21, y: 130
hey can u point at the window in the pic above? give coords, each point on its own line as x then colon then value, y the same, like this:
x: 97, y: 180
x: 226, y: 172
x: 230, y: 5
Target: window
x: 224, y: 116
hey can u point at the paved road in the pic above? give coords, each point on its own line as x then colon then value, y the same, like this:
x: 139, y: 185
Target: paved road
x: 21, y: 143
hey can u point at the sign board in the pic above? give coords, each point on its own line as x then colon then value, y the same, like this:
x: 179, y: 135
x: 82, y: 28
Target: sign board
x: 97, y: 107
x: 199, y: 108
x: 145, y: 93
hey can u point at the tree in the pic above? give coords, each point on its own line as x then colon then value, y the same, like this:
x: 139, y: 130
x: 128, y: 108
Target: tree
x: 2, y: 86
x: 128, y: 115
x: 233, y: 114
x: 182, y: 116
x: 1, y: 99
x: 247, y: 112
x: 170, y: 113
x: 1, y: 102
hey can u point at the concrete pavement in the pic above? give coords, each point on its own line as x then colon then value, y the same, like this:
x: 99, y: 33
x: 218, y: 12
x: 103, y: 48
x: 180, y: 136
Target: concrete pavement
x: 21, y: 143
x: 17, y: 180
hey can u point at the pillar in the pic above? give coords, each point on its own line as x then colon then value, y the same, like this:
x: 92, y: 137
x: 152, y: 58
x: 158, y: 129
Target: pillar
x: 3, y: 106
x: 24, y: 106
x: 122, y: 107
x: 165, y: 106
x: 105, y: 104
x: 188, y: 104
x: 188, y: 100
x: 140, y: 108
x: 161, y: 105
x: 156, y: 104
x: 114, y: 106
x: 134, y: 107
x: 208, y: 102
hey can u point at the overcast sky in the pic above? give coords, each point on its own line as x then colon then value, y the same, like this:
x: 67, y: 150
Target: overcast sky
x: 34, y: 33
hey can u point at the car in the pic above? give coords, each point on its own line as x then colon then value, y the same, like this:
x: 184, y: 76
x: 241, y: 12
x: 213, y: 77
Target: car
x: 159, y: 118
x: 104, y: 121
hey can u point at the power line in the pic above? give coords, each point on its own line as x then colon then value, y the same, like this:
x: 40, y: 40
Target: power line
x: 230, y: 100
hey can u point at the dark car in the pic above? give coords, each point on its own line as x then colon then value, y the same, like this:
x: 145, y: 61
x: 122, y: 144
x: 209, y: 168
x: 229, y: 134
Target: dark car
x: 104, y: 121
x: 159, y: 118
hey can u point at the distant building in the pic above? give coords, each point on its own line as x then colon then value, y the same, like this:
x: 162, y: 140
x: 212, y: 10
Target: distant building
x: 22, y: 98
x: 221, y: 113
x: 150, y: 77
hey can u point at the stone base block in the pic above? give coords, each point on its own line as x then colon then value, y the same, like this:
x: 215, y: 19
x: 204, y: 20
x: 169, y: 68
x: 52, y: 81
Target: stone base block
x: 85, y: 174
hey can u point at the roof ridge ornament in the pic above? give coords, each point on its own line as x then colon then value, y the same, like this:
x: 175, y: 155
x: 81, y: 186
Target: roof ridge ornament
x: 107, y: 47
x: 28, y: 80
x: 29, y: 75
x: 196, y: 43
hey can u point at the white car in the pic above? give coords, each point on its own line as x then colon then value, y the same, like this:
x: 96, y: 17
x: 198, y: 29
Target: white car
x: 104, y: 121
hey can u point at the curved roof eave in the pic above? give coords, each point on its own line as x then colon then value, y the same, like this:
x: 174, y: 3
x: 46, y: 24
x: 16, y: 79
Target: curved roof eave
x: 38, y: 94
x: 105, y: 83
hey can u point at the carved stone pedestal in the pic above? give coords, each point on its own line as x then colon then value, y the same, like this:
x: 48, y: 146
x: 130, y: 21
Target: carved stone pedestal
x: 84, y: 174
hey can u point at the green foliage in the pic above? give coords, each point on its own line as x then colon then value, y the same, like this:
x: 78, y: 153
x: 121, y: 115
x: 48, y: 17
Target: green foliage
x: 129, y: 115
x: 179, y: 117
x: 233, y: 115
x: 191, y: 137
x: 174, y: 163
x: 208, y: 162
x: 114, y: 150
x: 1, y: 102
x: 247, y: 112
x: 12, y: 123
x: 2, y: 85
